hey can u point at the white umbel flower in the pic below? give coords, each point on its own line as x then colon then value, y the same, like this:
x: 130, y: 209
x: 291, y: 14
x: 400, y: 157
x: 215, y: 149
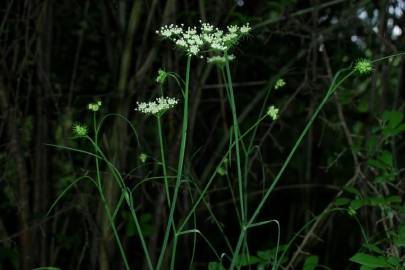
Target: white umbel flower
x: 245, y: 29
x: 193, y: 40
x: 157, y: 107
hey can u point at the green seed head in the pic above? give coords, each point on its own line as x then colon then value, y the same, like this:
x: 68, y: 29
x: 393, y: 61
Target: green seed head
x: 363, y: 66
x: 272, y: 112
x: 279, y: 83
x: 143, y: 157
x: 221, y: 171
x: 79, y: 130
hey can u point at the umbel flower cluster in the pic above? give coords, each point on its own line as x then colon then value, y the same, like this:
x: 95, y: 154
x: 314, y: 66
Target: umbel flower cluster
x: 193, y: 40
x: 94, y: 106
x: 157, y: 107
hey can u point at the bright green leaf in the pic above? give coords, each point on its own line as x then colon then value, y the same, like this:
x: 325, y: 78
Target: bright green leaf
x: 310, y: 263
x: 394, y: 261
x: 356, y: 204
x: 215, y: 266
x: 245, y: 260
x: 342, y: 201
x: 369, y: 260
x: 353, y: 190
x: 393, y: 118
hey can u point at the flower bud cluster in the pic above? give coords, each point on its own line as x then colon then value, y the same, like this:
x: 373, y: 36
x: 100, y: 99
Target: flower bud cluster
x: 220, y: 60
x: 162, y: 75
x: 157, y: 107
x: 279, y: 83
x: 94, y: 106
x: 272, y: 112
x: 79, y: 130
x: 193, y: 40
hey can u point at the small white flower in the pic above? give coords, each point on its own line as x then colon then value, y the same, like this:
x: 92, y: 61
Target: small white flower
x: 245, y: 28
x: 181, y: 43
x: 206, y: 27
x: 157, y: 107
x: 233, y: 29
x: 194, y: 50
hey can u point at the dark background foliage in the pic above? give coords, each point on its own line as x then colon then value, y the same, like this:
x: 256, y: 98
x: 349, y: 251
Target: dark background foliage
x: 58, y: 56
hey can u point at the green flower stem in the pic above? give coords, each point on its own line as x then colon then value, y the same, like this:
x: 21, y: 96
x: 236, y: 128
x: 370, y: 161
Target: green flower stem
x: 236, y: 132
x: 121, y: 184
x: 174, y: 249
x: 331, y: 90
x: 128, y: 200
x: 162, y: 154
x: 103, y: 199
x: 179, y: 170
x: 211, y: 179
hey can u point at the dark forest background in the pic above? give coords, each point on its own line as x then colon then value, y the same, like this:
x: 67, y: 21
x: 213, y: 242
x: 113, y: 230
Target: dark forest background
x: 58, y: 56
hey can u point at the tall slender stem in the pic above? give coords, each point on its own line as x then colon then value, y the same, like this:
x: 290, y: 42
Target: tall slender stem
x: 128, y: 198
x: 103, y: 199
x: 329, y: 93
x: 162, y: 155
x: 236, y: 132
x: 170, y: 223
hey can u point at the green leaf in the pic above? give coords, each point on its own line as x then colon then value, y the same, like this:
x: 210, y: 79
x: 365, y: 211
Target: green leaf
x: 342, y: 201
x: 245, y: 260
x: 399, y: 241
x: 394, y: 261
x: 376, y: 201
x: 369, y: 260
x: 400, y: 128
x: 269, y: 254
x: 386, y: 157
x: 353, y: 190
x: 215, y: 266
x: 393, y: 118
x: 377, y: 164
x: 389, y: 132
x: 371, y: 144
x: 373, y: 248
x: 393, y: 199
x: 310, y: 263
x: 363, y: 267
x: 356, y: 204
